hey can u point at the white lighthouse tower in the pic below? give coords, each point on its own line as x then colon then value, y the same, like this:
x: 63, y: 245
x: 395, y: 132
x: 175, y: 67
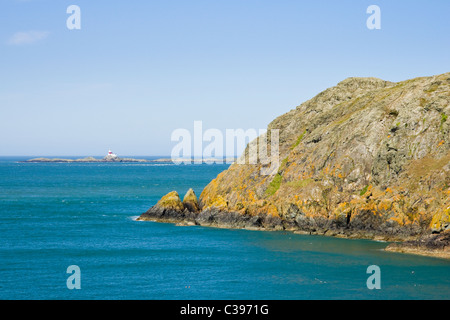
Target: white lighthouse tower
x: 111, y: 155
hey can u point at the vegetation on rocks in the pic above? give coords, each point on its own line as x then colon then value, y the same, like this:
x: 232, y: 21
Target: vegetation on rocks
x: 366, y: 158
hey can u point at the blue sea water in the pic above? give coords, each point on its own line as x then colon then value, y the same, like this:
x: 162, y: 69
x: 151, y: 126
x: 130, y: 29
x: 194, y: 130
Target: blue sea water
x: 54, y: 215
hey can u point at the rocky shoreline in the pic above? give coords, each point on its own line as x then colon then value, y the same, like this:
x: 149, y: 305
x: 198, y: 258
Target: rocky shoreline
x: 434, y: 245
x: 171, y: 209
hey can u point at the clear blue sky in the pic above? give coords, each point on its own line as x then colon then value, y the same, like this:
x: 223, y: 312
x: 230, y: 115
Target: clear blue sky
x: 137, y: 70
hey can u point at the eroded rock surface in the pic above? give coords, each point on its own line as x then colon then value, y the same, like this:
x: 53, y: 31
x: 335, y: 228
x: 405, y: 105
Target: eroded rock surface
x: 367, y: 158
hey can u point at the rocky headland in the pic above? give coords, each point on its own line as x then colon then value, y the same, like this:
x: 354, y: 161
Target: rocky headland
x: 367, y: 158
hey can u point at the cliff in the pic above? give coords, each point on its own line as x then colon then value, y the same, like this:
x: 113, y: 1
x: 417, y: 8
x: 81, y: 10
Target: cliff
x: 367, y: 158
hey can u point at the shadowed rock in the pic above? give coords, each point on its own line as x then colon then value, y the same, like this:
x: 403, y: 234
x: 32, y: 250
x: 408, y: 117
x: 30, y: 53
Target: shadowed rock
x: 190, y: 201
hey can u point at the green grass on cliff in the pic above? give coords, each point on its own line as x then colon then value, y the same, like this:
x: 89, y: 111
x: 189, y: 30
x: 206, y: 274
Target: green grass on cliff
x: 283, y: 164
x: 274, y: 185
x: 299, y: 139
x: 364, y: 190
x: 443, y: 120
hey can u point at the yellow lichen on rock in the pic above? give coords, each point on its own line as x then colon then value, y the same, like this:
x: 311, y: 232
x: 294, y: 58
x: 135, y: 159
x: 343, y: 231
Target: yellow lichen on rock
x: 339, y: 170
x: 190, y: 201
x: 171, y: 201
x: 218, y: 202
x: 441, y: 220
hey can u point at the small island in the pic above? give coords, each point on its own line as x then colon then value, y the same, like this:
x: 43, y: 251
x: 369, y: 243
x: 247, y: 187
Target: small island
x: 110, y: 157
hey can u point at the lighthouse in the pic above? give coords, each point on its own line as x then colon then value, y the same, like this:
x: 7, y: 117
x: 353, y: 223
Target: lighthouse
x: 111, y: 154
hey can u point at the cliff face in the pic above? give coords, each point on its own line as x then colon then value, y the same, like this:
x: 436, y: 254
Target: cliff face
x: 366, y: 158
x: 367, y: 154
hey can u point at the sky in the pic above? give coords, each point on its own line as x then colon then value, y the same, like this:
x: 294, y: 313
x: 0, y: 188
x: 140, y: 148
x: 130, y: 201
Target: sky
x: 138, y: 70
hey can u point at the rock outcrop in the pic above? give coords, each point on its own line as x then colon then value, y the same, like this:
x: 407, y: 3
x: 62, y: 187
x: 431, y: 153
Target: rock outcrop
x: 429, y: 245
x: 190, y: 201
x: 367, y: 158
x: 171, y: 209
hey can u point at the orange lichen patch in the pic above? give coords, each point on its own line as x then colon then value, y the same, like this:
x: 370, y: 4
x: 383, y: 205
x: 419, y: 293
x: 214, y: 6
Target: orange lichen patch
x: 440, y: 220
x: 342, y: 205
x: 384, y: 205
x: 441, y: 143
x: 407, y: 217
x: 342, y: 210
x: 370, y: 206
x: 218, y: 202
x: 251, y: 196
x: 398, y: 220
x: 272, y: 210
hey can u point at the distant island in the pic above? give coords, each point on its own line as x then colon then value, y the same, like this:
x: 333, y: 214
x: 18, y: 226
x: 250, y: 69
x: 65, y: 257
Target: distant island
x: 88, y: 160
x: 112, y: 157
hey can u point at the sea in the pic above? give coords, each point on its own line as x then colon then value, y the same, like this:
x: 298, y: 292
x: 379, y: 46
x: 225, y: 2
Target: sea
x: 66, y: 224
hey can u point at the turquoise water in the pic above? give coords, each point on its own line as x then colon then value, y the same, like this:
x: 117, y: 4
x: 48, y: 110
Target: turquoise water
x: 56, y: 215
